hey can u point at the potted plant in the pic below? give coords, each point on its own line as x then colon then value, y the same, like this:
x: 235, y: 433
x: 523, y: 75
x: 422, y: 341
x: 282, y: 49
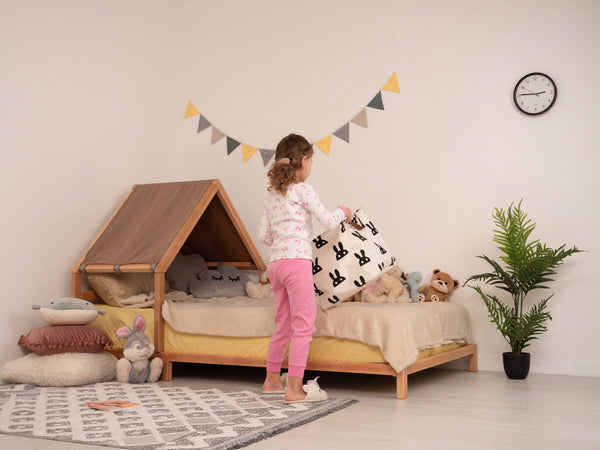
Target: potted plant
x: 528, y: 265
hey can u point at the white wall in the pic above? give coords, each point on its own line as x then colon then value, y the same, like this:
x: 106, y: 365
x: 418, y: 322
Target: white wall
x: 88, y: 109
x: 430, y: 168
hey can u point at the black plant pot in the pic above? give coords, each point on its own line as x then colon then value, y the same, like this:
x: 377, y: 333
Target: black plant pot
x: 516, y: 367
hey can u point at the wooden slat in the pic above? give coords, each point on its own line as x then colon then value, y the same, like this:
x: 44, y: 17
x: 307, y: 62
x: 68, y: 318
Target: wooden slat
x: 237, y: 221
x: 125, y: 268
x: 159, y: 322
x: 436, y: 360
x: 76, y: 284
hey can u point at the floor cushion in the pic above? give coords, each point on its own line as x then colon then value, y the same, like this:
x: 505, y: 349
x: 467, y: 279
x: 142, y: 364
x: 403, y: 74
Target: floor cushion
x: 64, y: 369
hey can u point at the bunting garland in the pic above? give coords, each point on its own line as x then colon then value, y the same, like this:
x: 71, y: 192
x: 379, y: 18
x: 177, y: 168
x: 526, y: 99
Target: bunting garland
x: 324, y: 144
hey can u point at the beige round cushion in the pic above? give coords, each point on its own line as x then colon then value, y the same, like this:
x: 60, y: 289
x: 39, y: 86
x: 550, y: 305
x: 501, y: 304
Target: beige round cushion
x: 64, y: 369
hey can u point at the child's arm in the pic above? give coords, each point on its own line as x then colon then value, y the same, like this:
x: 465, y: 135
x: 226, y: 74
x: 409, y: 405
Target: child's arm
x: 264, y: 230
x: 310, y: 200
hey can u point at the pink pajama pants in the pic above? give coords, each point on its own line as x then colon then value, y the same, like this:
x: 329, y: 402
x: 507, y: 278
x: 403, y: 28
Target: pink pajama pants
x: 296, y: 310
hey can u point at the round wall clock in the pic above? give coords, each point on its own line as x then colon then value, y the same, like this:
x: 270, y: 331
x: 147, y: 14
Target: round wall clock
x: 535, y: 93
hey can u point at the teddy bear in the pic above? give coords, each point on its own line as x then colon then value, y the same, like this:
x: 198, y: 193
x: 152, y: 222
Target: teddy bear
x: 440, y: 288
x: 389, y: 288
x: 258, y: 290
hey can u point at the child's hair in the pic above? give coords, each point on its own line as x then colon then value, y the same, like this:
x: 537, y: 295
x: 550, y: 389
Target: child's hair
x: 288, y: 159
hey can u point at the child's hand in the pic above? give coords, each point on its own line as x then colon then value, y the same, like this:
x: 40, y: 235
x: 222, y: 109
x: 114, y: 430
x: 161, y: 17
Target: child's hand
x: 349, y: 214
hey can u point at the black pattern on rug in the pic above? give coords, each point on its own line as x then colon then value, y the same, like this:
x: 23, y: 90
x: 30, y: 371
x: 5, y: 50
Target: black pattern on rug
x: 169, y: 417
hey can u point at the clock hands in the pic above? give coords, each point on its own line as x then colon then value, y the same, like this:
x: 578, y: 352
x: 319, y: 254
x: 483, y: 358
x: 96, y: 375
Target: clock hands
x: 537, y: 94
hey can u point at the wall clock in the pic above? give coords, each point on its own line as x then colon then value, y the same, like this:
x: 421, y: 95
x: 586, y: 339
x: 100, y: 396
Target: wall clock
x: 535, y: 93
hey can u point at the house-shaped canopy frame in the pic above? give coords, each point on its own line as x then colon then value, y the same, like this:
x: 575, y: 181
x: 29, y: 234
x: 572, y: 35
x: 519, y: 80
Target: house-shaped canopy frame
x: 155, y: 222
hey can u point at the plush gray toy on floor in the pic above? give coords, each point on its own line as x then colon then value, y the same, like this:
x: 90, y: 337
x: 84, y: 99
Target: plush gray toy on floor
x: 135, y: 366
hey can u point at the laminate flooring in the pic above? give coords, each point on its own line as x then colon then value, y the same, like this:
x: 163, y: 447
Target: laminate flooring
x: 445, y: 409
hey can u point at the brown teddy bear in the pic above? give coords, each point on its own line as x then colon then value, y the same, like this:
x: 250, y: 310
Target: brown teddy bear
x: 441, y: 286
x: 389, y: 288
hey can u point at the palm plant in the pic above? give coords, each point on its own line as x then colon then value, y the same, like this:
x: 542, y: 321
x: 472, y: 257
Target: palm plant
x: 529, y: 265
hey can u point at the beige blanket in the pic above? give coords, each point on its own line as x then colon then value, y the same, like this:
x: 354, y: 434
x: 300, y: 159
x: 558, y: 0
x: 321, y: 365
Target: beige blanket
x: 399, y: 330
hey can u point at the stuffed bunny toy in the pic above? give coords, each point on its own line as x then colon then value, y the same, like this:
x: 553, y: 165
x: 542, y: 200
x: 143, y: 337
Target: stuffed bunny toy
x: 135, y: 366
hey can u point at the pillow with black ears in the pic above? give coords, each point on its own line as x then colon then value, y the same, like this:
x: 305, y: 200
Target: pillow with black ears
x: 225, y: 281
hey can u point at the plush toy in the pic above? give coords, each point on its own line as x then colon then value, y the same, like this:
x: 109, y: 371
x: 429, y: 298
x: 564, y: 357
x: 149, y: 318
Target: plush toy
x: 68, y: 311
x: 412, y: 284
x: 135, y: 366
x: 441, y: 286
x: 183, y: 269
x: 225, y: 281
x: 254, y: 290
x: 389, y: 288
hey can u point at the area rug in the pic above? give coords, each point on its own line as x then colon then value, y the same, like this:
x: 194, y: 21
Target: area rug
x: 166, y: 417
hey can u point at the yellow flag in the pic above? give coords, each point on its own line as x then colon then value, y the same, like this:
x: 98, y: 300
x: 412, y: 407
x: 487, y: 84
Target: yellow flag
x: 392, y: 84
x: 248, y: 152
x: 190, y: 110
x: 324, y: 144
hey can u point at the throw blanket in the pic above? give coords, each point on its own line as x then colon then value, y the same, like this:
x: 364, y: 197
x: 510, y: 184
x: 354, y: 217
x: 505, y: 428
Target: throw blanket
x: 399, y: 330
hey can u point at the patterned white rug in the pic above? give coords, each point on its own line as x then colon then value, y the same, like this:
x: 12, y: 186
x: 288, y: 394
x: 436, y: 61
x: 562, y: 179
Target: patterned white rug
x: 167, y: 417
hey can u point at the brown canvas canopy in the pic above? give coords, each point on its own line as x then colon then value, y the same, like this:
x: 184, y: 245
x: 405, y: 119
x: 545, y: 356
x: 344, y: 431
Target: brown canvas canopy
x: 155, y: 221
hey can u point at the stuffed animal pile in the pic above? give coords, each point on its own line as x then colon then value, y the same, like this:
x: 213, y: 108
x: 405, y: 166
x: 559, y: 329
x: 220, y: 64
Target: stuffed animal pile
x: 66, y: 352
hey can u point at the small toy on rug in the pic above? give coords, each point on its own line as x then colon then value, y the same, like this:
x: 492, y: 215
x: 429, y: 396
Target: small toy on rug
x: 68, y: 311
x: 440, y: 288
x: 136, y: 366
x: 412, y: 284
x: 389, y: 288
x: 110, y: 405
x: 255, y: 290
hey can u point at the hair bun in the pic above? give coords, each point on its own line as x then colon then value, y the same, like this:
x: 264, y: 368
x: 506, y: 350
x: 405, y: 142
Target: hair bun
x: 283, y: 161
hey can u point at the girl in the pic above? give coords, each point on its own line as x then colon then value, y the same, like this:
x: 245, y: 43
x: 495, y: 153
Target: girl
x: 286, y: 227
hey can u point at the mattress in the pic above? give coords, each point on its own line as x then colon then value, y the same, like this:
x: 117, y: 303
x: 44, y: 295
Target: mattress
x: 322, y: 348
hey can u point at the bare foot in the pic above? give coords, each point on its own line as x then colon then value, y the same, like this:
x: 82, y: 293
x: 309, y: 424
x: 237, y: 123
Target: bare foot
x: 274, y: 387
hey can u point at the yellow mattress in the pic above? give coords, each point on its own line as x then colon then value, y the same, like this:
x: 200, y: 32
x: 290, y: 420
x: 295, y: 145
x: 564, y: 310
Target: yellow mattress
x: 322, y: 348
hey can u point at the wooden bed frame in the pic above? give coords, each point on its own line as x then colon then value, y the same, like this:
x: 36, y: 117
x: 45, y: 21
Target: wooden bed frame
x: 468, y: 350
x: 212, y: 218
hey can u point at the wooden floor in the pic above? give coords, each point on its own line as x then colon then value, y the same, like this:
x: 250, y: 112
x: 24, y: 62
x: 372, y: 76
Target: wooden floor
x: 445, y: 409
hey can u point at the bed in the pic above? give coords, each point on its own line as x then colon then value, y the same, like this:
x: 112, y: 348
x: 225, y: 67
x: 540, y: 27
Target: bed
x: 202, y: 220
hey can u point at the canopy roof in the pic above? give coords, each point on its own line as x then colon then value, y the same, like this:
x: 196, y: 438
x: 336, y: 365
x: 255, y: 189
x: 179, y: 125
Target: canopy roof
x: 155, y: 221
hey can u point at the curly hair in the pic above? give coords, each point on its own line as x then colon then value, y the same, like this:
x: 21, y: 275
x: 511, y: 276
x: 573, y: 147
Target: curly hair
x: 288, y: 160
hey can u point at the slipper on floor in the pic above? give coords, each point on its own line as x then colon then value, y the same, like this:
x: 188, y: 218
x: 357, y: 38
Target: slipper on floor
x: 313, y: 393
x: 279, y: 391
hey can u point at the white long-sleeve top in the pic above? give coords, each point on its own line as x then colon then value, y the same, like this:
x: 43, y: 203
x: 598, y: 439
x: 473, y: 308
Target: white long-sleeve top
x: 286, y: 224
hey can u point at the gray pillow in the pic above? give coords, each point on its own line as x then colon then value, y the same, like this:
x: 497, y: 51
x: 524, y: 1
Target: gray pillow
x: 225, y: 281
x: 184, y: 269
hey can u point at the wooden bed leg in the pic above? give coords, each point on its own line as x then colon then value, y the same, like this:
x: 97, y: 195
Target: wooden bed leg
x: 167, y: 372
x: 76, y: 284
x: 473, y: 362
x: 402, y: 385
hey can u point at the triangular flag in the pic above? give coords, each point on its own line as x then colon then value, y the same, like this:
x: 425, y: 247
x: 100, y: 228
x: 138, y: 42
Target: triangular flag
x: 392, y: 84
x: 203, y: 124
x: 361, y: 118
x: 232, y: 144
x: 248, y: 152
x: 377, y: 102
x: 324, y: 144
x: 266, y: 155
x: 343, y: 133
x: 216, y: 135
x: 190, y: 110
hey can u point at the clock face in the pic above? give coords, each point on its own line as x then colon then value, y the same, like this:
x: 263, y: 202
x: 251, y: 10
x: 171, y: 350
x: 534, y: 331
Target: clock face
x: 535, y: 93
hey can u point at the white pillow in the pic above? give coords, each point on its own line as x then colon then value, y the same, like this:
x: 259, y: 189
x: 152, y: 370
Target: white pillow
x: 64, y: 369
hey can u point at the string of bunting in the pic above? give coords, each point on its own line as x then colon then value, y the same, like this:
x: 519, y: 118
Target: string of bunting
x: 324, y: 144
